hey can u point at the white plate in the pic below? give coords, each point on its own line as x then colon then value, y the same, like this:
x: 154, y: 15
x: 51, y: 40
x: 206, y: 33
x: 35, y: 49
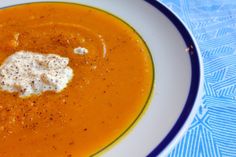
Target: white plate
x: 178, y: 75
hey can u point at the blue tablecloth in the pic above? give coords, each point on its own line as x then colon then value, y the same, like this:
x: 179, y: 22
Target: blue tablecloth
x: 213, y: 131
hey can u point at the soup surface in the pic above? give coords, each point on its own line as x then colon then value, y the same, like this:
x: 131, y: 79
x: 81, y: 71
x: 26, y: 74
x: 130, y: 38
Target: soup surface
x: 109, y: 89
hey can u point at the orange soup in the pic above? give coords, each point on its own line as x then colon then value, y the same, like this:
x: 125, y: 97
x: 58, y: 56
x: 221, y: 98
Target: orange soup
x: 109, y: 89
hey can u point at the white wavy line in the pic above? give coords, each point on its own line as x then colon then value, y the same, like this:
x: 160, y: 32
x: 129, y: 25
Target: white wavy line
x: 100, y: 37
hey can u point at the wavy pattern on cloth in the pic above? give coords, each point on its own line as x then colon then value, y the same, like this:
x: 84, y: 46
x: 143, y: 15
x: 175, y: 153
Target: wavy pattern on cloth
x: 213, y: 131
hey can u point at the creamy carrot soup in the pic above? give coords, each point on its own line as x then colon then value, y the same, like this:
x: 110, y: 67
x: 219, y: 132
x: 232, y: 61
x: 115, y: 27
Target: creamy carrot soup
x: 107, y: 90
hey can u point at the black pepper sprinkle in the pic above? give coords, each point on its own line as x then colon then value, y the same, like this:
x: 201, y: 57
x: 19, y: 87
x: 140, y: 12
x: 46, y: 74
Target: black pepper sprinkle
x: 71, y: 143
x: 54, y: 147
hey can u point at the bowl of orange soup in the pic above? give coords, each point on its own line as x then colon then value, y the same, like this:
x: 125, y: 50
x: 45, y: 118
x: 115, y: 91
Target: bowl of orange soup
x: 95, y: 78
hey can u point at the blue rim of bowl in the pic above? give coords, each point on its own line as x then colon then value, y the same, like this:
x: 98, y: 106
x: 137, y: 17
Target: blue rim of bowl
x: 195, y: 78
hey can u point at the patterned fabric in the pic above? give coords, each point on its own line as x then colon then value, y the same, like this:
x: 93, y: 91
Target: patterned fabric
x: 213, y: 131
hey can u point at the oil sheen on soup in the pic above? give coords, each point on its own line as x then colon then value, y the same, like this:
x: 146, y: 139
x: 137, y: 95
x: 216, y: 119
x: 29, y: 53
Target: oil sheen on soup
x: 109, y: 89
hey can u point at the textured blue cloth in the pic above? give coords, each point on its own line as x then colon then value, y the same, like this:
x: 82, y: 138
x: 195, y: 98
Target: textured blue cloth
x: 213, y: 131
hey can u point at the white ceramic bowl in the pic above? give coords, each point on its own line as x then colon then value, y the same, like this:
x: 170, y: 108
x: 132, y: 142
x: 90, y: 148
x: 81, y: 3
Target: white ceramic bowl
x: 178, y: 76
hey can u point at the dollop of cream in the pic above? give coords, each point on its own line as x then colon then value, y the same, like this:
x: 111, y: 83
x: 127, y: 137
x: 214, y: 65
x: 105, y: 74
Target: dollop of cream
x: 80, y: 50
x: 29, y: 73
